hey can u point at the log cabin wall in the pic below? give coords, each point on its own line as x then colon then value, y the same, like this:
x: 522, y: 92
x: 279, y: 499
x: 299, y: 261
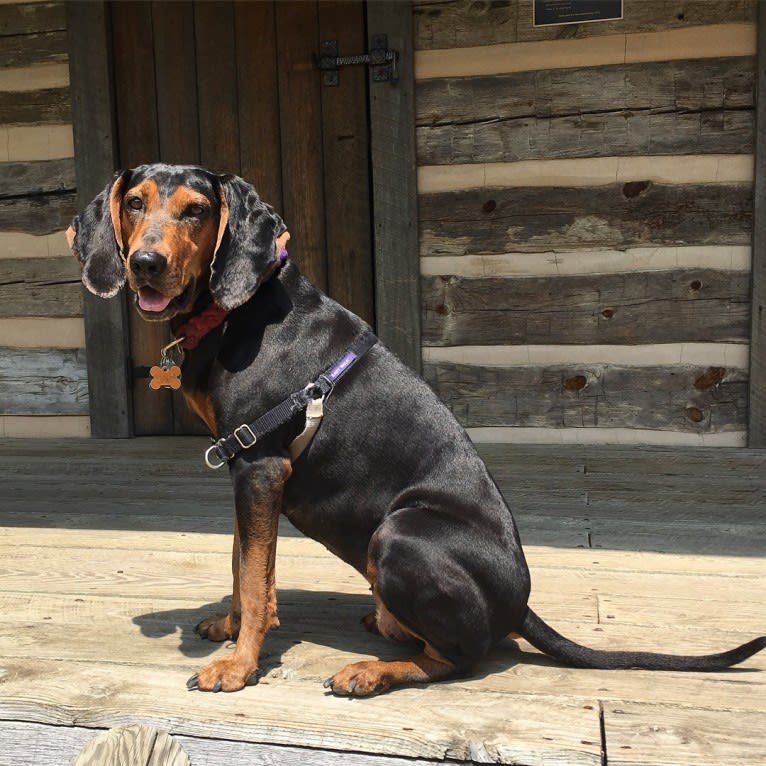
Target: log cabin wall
x: 585, y: 200
x: 43, y: 378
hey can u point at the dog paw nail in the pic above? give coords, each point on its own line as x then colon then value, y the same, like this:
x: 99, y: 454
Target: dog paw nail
x: 193, y: 682
x: 352, y: 686
x: 218, y: 686
x: 253, y: 678
x: 327, y: 683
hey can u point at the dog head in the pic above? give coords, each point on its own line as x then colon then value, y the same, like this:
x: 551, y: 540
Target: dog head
x: 173, y: 232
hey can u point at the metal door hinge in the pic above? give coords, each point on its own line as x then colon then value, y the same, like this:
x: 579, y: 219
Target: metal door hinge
x: 383, y: 62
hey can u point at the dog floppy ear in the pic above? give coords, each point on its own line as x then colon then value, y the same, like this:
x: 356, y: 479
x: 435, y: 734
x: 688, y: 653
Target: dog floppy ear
x: 95, y: 239
x: 246, y: 253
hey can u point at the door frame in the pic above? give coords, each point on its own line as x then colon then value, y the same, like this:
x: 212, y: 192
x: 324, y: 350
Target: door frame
x: 394, y: 200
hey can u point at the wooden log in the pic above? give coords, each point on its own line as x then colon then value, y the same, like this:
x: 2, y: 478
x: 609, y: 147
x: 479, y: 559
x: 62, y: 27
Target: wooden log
x: 40, y: 287
x: 699, y: 106
x: 669, y: 86
x: 51, y: 381
x: 26, y: 50
x: 30, y: 18
x: 462, y: 23
x: 533, y: 219
x: 21, y: 179
x: 693, y: 305
x: 34, y: 107
x: 42, y: 214
x: 692, y: 399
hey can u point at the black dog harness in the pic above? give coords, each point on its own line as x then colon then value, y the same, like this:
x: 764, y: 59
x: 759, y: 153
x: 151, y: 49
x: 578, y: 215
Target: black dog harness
x: 248, y: 434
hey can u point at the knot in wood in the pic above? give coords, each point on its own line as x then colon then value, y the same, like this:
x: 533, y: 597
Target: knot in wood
x: 575, y: 383
x: 712, y: 377
x: 635, y: 188
x: 489, y: 206
x: 695, y: 414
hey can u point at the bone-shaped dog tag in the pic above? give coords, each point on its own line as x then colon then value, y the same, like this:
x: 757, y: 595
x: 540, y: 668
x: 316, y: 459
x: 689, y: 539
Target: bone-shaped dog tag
x: 165, y: 376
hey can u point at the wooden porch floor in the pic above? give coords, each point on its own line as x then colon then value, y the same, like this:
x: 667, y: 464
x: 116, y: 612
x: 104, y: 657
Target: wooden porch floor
x: 111, y: 551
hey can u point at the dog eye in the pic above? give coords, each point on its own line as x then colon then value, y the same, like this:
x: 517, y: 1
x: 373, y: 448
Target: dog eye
x: 195, y: 210
x: 135, y: 203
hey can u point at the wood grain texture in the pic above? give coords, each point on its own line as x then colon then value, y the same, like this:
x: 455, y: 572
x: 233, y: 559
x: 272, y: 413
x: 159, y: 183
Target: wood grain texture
x: 258, y: 100
x: 21, y: 179
x: 649, y: 307
x: 530, y: 219
x: 216, y: 80
x: 346, y: 150
x: 96, y: 157
x: 757, y: 411
x: 34, y: 107
x: 394, y: 189
x: 41, y: 214
x: 43, y: 382
x: 40, y: 287
x: 102, y: 635
x: 31, y: 18
x: 462, y: 23
x: 691, y: 399
x: 176, y: 81
x: 698, y: 106
x: 31, y: 49
x: 300, y: 104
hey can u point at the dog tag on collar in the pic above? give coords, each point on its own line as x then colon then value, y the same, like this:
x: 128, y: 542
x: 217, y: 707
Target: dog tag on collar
x: 166, y: 374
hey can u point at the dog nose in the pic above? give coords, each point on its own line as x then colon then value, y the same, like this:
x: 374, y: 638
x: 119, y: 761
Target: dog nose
x: 147, y: 263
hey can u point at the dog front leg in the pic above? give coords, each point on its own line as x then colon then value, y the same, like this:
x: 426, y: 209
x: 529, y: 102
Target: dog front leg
x: 258, y: 493
x: 222, y: 627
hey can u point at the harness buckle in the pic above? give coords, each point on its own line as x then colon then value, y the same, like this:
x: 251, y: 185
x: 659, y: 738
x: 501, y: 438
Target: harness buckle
x: 211, y: 452
x: 248, y: 432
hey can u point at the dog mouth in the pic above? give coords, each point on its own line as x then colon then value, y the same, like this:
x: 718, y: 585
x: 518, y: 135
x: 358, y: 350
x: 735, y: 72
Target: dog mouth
x: 157, y: 305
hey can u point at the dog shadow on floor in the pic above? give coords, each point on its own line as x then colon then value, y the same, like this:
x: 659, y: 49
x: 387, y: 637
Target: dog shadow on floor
x: 329, y: 621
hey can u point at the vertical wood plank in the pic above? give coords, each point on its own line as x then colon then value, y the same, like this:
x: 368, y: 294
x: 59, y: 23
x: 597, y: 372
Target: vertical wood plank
x: 134, y: 82
x: 259, y: 130
x: 217, y: 85
x: 176, y: 82
x: 300, y: 117
x: 106, y: 323
x: 177, y: 125
x: 757, y: 406
x: 392, y: 118
x: 345, y: 137
x: 136, y: 95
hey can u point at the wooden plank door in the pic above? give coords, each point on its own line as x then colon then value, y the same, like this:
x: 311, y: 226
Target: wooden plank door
x: 234, y: 86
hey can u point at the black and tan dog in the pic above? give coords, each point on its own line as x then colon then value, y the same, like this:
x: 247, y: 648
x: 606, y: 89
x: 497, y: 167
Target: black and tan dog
x: 390, y: 483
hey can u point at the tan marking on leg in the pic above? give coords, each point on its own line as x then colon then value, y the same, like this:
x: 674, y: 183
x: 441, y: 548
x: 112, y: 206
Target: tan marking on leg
x: 222, y: 627
x: 257, y: 590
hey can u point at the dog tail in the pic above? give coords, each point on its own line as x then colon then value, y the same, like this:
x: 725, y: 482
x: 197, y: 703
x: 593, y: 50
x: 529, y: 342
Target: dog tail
x: 548, y: 641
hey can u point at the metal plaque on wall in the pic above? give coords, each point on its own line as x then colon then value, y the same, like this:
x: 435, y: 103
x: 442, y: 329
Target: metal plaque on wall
x: 549, y: 12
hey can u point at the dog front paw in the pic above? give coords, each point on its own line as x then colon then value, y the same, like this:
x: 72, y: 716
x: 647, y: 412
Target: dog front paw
x: 225, y: 675
x: 219, y: 627
x: 360, y: 679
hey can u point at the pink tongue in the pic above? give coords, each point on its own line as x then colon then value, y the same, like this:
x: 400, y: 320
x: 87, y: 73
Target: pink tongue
x: 151, y: 300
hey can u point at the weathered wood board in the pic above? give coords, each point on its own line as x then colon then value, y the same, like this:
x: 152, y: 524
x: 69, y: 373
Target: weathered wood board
x: 31, y: 178
x: 463, y: 23
x: 677, y: 107
x: 40, y: 287
x: 40, y: 214
x: 33, y: 107
x: 678, y: 398
x: 643, y: 307
x: 102, y: 633
x: 43, y: 381
x: 533, y: 219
